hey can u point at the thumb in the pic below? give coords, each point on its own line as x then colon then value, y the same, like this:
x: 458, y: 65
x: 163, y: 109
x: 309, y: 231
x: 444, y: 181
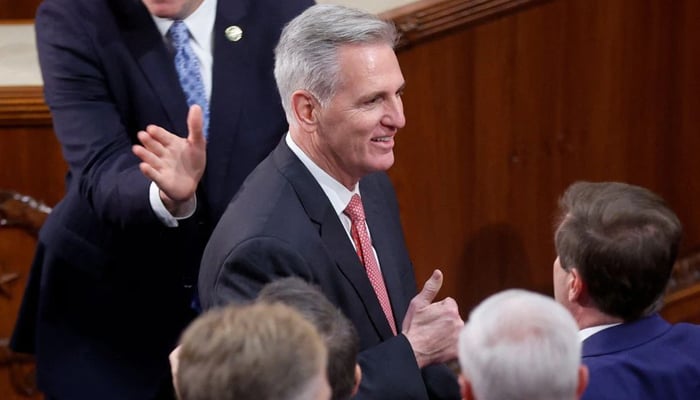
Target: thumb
x: 430, y: 289
x: 424, y: 298
x: 195, y: 125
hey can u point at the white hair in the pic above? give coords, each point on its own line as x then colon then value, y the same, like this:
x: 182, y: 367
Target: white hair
x: 519, y: 344
x: 306, y: 56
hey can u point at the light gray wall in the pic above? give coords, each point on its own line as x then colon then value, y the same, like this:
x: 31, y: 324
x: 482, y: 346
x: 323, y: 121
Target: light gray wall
x: 375, y: 6
x: 18, y: 61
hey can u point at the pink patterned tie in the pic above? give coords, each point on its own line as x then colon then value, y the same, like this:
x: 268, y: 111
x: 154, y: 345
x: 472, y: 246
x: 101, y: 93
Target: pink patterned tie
x: 363, y: 245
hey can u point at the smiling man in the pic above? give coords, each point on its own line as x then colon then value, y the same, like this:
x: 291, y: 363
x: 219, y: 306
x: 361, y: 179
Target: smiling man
x: 321, y: 207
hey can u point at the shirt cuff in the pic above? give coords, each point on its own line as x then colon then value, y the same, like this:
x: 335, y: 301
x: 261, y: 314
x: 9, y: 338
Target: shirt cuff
x: 162, y: 213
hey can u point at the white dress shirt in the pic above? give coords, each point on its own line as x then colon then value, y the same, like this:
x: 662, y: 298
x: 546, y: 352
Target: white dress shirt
x: 337, y: 194
x: 201, y: 26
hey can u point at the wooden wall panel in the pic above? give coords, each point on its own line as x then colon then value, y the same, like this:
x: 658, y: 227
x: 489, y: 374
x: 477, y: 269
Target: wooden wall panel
x: 30, y: 164
x: 18, y: 9
x: 505, y: 112
x: 30, y: 155
x: 17, y: 377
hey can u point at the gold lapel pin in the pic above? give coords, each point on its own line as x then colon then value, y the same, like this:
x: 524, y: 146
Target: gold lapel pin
x: 234, y: 33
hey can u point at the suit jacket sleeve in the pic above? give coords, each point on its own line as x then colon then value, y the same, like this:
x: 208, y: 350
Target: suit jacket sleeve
x: 87, y: 120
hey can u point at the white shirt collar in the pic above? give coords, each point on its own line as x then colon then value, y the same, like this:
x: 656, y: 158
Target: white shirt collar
x: 338, y: 194
x: 585, y: 333
x: 200, y: 24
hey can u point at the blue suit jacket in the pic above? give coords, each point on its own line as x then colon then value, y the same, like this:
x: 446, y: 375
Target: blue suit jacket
x: 282, y: 224
x: 645, y: 359
x: 110, y: 286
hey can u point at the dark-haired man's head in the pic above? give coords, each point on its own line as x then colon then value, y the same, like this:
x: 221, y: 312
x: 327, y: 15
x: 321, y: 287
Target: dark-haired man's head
x: 616, y: 245
x: 336, y: 330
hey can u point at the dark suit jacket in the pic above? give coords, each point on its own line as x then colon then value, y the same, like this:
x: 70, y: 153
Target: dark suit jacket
x: 645, y: 359
x: 282, y: 224
x: 111, y: 285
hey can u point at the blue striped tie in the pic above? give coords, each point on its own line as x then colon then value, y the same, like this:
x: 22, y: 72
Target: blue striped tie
x: 187, y: 66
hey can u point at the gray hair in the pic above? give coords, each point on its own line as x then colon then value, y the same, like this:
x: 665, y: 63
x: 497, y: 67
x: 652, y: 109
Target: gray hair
x: 519, y: 344
x: 306, y: 55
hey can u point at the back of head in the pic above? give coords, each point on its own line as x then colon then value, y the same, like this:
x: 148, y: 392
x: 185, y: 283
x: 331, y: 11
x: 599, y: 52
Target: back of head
x: 253, y: 352
x: 335, y: 329
x: 623, y: 240
x: 306, y: 55
x: 520, y: 345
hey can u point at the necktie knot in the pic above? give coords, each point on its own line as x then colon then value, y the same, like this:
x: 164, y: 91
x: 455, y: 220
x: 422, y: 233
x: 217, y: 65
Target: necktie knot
x: 179, y: 34
x: 354, y: 209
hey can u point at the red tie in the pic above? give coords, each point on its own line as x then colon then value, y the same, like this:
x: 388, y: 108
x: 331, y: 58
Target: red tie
x: 363, y: 245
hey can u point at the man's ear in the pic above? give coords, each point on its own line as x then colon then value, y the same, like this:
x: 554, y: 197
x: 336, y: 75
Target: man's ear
x: 304, y: 106
x: 582, y: 380
x: 576, y: 286
x: 358, y: 378
x: 465, y: 388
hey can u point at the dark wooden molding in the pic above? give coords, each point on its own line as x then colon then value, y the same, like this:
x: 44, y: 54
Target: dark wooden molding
x: 23, y: 106
x: 426, y: 18
x: 686, y: 273
x: 16, y: 21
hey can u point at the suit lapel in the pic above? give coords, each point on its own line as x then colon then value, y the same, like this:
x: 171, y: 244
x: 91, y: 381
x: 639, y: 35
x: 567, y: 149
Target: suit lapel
x: 225, y: 103
x: 332, y: 233
x: 625, y: 336
x: 147, y: 47
x: 338, y: 245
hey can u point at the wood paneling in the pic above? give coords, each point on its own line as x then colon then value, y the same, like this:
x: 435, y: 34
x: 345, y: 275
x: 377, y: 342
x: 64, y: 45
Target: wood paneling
x: 31, y: 164
x: 22, y: 106
x: 30, y: 155
x: 18, y: 9
x: 506, y: 111
x: 20, y: 219
x: 425, y: 18
x: 682, y: 300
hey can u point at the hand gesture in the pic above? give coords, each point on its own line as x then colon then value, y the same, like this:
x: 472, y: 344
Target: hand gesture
x: 175, y: 164
x: 432, y: 328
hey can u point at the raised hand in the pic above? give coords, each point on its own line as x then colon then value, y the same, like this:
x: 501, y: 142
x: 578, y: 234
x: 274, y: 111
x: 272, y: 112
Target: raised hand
x: 432, y: 328
x: 175, y: 164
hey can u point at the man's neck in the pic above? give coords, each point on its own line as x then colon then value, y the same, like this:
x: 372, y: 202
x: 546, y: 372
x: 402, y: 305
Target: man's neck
x: 587, y: 317
x: 321, y: 161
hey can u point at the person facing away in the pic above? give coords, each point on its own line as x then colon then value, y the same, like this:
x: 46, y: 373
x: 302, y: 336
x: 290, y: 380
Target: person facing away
x: 322, y: 208
x: 111, y: 284
x: 252, y: 352
x: 336, y: 330
x: 616, y: 246
x: 520, y: 345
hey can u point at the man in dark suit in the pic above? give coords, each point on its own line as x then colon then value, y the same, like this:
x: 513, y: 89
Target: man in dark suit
x: 616, y: 246
x: 111, y: 284
x: 341, y: 88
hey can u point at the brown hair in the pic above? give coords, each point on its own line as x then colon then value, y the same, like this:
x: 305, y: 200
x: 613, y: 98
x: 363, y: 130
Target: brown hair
x: 251, y: 352
x: 623, y: 240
